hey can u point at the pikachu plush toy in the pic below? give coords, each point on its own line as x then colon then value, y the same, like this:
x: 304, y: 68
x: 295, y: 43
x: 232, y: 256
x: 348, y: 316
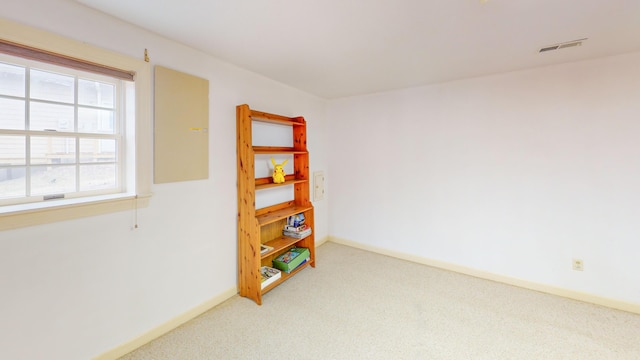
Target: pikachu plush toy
x: 278, y: 171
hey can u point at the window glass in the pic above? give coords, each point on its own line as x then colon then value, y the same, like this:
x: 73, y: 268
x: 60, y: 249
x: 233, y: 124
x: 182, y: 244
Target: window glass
x: 13, y: 182
x: 53, y: 150
x: 97, y: 150
x: 95, y: 93
x: 52, y: 87
x: 12, y: 114
x: 12, y: 81
x: 12, y: 175
x: 49, y: 180
x: 98, y: 177
x: 12, y: 150
x: 51, y: 117
x: 96, y: 121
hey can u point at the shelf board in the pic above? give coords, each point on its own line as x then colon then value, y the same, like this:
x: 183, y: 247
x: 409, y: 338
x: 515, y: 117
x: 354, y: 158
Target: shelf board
x: 274, y: 119
x: 261, y: 150
x: 272, y: 185
x: 280, y: 214
x: 280, y: 243
x: 284, y: 276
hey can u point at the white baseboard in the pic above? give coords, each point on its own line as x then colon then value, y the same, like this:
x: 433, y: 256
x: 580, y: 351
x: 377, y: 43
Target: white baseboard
x: 156, y: 332
x: 549, y: 289
x: 322, y: 241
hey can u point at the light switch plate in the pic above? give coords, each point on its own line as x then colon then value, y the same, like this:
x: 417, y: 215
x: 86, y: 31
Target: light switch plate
x: 318, y: 186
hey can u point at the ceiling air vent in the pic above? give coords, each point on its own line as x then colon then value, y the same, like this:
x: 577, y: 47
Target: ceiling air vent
x: 571, y: 44
x: 562, y: 45
x: 549, y: 48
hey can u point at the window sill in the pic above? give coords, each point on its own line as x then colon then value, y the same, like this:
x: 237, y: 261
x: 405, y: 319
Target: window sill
x: 17, y: 216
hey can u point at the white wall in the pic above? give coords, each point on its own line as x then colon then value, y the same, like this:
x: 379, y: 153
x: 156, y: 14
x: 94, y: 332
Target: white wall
x: 75, y: 289
x: 514, y: 174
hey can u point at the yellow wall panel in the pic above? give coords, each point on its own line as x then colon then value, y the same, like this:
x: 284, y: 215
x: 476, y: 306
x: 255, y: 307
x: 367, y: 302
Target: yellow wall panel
x: 181, y: 139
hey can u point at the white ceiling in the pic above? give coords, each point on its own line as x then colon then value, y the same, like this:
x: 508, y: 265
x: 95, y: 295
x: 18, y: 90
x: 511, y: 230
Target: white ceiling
x: 337, y: 48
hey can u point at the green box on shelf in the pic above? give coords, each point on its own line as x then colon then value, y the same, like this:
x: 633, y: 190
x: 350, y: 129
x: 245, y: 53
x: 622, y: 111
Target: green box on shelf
x: 291, y: 259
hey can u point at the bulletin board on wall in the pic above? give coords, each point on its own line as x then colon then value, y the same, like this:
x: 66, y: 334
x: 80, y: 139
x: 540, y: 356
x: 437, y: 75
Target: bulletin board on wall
x: 181, y: 126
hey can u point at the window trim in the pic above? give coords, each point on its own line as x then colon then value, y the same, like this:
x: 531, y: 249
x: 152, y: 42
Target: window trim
x: 15, y: 216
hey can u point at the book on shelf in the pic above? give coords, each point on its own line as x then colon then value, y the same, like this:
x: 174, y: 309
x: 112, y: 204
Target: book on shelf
x: 291, y: 259
x: 302, y: 263
x: 296, y: 220
x: 265, y: 249
x: 268, y: 275
x: 296, y: 228
x: 297, y: 234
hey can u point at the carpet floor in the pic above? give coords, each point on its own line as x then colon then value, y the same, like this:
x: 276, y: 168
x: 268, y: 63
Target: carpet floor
x: 361, y: 305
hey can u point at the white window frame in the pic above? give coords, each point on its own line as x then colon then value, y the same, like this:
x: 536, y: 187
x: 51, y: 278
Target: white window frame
x: 138, y: 193
x: 119, y: 136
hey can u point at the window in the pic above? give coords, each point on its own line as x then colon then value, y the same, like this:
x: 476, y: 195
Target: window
x: 62, y: 132
x: 73, y: 141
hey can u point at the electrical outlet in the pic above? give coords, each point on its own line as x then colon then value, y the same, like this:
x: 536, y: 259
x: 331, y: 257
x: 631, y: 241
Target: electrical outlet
x: 578, y: 265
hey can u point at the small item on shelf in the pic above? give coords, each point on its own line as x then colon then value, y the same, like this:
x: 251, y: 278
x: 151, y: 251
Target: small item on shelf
x: 296, y: 220
x: 265, y: 249
x: 278, y: 171
x: 296, y: 228
x: 297, y: 234
x: 268, y: 275
x: 291, y: 259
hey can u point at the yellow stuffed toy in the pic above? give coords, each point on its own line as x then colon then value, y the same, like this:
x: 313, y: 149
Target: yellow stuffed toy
x: 278, y: 171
